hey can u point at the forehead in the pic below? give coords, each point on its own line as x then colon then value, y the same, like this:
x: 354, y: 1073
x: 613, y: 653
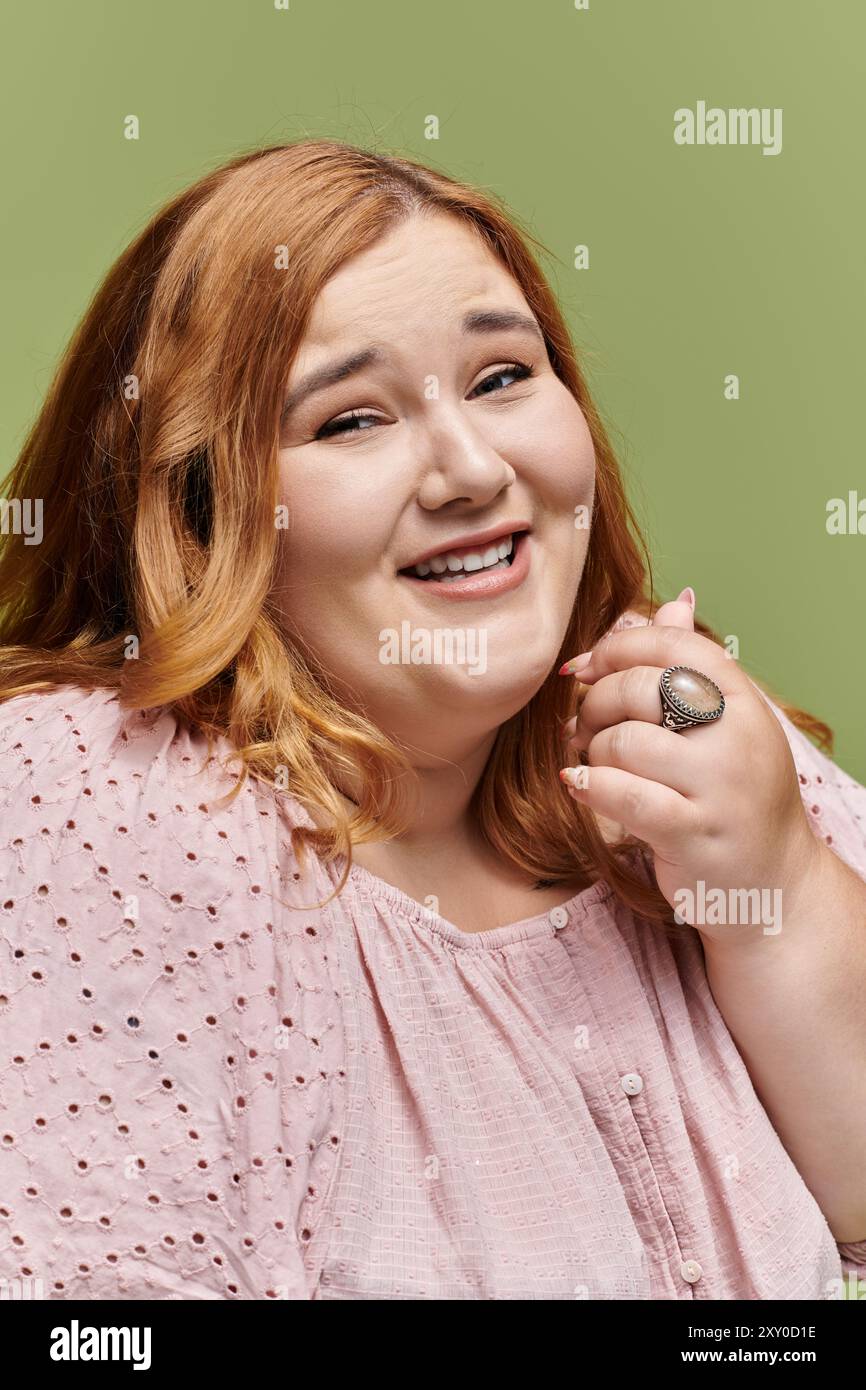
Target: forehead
x: 425, y: 272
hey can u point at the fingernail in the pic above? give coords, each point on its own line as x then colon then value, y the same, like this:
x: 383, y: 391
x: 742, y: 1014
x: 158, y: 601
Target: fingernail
x: 577, y: 663
x: 574, y: 776
x: 687, y: 596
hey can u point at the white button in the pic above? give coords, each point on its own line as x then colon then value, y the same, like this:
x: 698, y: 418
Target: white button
x: 558, y: 918
x: 691, y: 1271
x: 631, y: 1083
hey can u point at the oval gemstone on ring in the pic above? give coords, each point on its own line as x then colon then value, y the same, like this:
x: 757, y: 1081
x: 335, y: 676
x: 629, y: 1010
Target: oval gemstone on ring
x: 692, y: 689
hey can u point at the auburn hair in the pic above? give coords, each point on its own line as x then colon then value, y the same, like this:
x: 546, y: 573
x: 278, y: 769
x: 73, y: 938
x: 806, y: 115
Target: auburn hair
x: 156, y: 449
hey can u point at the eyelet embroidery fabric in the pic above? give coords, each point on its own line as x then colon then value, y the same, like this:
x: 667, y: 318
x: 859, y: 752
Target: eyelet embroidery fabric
x: 171, y: 1057
x: 209, y: 1089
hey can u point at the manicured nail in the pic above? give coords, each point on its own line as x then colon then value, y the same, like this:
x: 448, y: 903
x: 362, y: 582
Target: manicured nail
x: 577, y: 663
x: 687, y: 596
x: 574, y: 777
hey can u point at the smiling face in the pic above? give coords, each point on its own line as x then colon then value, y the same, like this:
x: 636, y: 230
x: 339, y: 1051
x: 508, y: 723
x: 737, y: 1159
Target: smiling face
x: 452, y: 435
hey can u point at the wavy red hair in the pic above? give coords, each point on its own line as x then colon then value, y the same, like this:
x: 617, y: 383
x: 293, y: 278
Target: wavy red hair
x: 156, y: 453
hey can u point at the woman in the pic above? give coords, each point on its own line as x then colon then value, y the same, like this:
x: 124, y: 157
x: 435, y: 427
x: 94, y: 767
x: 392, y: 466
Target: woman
x: 319, y: 983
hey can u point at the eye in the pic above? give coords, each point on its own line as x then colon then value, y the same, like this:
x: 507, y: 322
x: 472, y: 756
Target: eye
x: 519, y: 370
x: 340, y: 423
x: 344, y: 424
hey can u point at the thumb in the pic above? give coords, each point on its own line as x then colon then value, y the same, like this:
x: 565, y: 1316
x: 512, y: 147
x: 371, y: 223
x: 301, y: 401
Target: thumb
x: 679, y: 613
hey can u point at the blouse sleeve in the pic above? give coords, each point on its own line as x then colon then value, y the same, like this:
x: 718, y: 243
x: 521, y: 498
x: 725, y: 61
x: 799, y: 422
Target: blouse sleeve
x: 170, y: 1041
x: 836, y: 806
x: 834, y: 802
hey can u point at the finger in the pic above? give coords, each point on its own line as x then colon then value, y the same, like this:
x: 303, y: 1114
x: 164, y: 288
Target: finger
x: 647, y: 751
x: 661, y: 647
x: 659, y: 815
x: 679, y: 613
x: 629, y: 694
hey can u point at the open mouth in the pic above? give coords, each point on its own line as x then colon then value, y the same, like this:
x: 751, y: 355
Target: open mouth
x: 467, y: 564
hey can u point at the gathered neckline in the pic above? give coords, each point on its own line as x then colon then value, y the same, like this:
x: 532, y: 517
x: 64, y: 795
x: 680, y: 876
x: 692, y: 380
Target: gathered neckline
x: 538, y: 927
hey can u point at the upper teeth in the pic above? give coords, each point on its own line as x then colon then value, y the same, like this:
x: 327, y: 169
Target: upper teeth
x: 473, y: 560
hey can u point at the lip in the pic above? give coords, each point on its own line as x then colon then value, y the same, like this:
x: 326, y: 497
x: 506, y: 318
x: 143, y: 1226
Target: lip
x: 479, y: 585
x: 490, y: 533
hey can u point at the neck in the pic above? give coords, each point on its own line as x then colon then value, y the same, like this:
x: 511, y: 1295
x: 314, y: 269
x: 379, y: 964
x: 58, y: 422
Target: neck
x: 444, y: 787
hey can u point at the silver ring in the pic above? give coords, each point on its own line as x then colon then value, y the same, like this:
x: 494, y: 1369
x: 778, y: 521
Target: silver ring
x: 688, y: 698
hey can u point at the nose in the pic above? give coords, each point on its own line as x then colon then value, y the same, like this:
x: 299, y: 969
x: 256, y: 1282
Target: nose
x: 458, y: 465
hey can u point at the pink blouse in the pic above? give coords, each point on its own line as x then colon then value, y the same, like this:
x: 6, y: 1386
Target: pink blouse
x: 211, y: 1088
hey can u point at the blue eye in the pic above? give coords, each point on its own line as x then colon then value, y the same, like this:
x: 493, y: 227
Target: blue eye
x: 341, y: 424
x: 519, y: 370
x: 335, y: 426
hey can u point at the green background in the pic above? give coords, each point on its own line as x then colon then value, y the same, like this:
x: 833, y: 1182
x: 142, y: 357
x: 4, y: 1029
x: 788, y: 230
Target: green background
x: 704, y: 261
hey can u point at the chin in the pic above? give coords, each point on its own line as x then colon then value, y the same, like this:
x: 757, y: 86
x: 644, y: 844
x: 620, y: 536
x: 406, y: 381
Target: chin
x: 498, y: 689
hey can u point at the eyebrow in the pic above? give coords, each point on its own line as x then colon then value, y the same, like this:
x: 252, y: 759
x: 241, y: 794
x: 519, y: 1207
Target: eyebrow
x: 480, y: 321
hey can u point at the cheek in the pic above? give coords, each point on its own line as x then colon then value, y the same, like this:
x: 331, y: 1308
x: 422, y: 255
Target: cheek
x: 332, y: 525
x: 328, y: 577
x: 554, y: 452
x: 563, y: 476
x: 570, y: 461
